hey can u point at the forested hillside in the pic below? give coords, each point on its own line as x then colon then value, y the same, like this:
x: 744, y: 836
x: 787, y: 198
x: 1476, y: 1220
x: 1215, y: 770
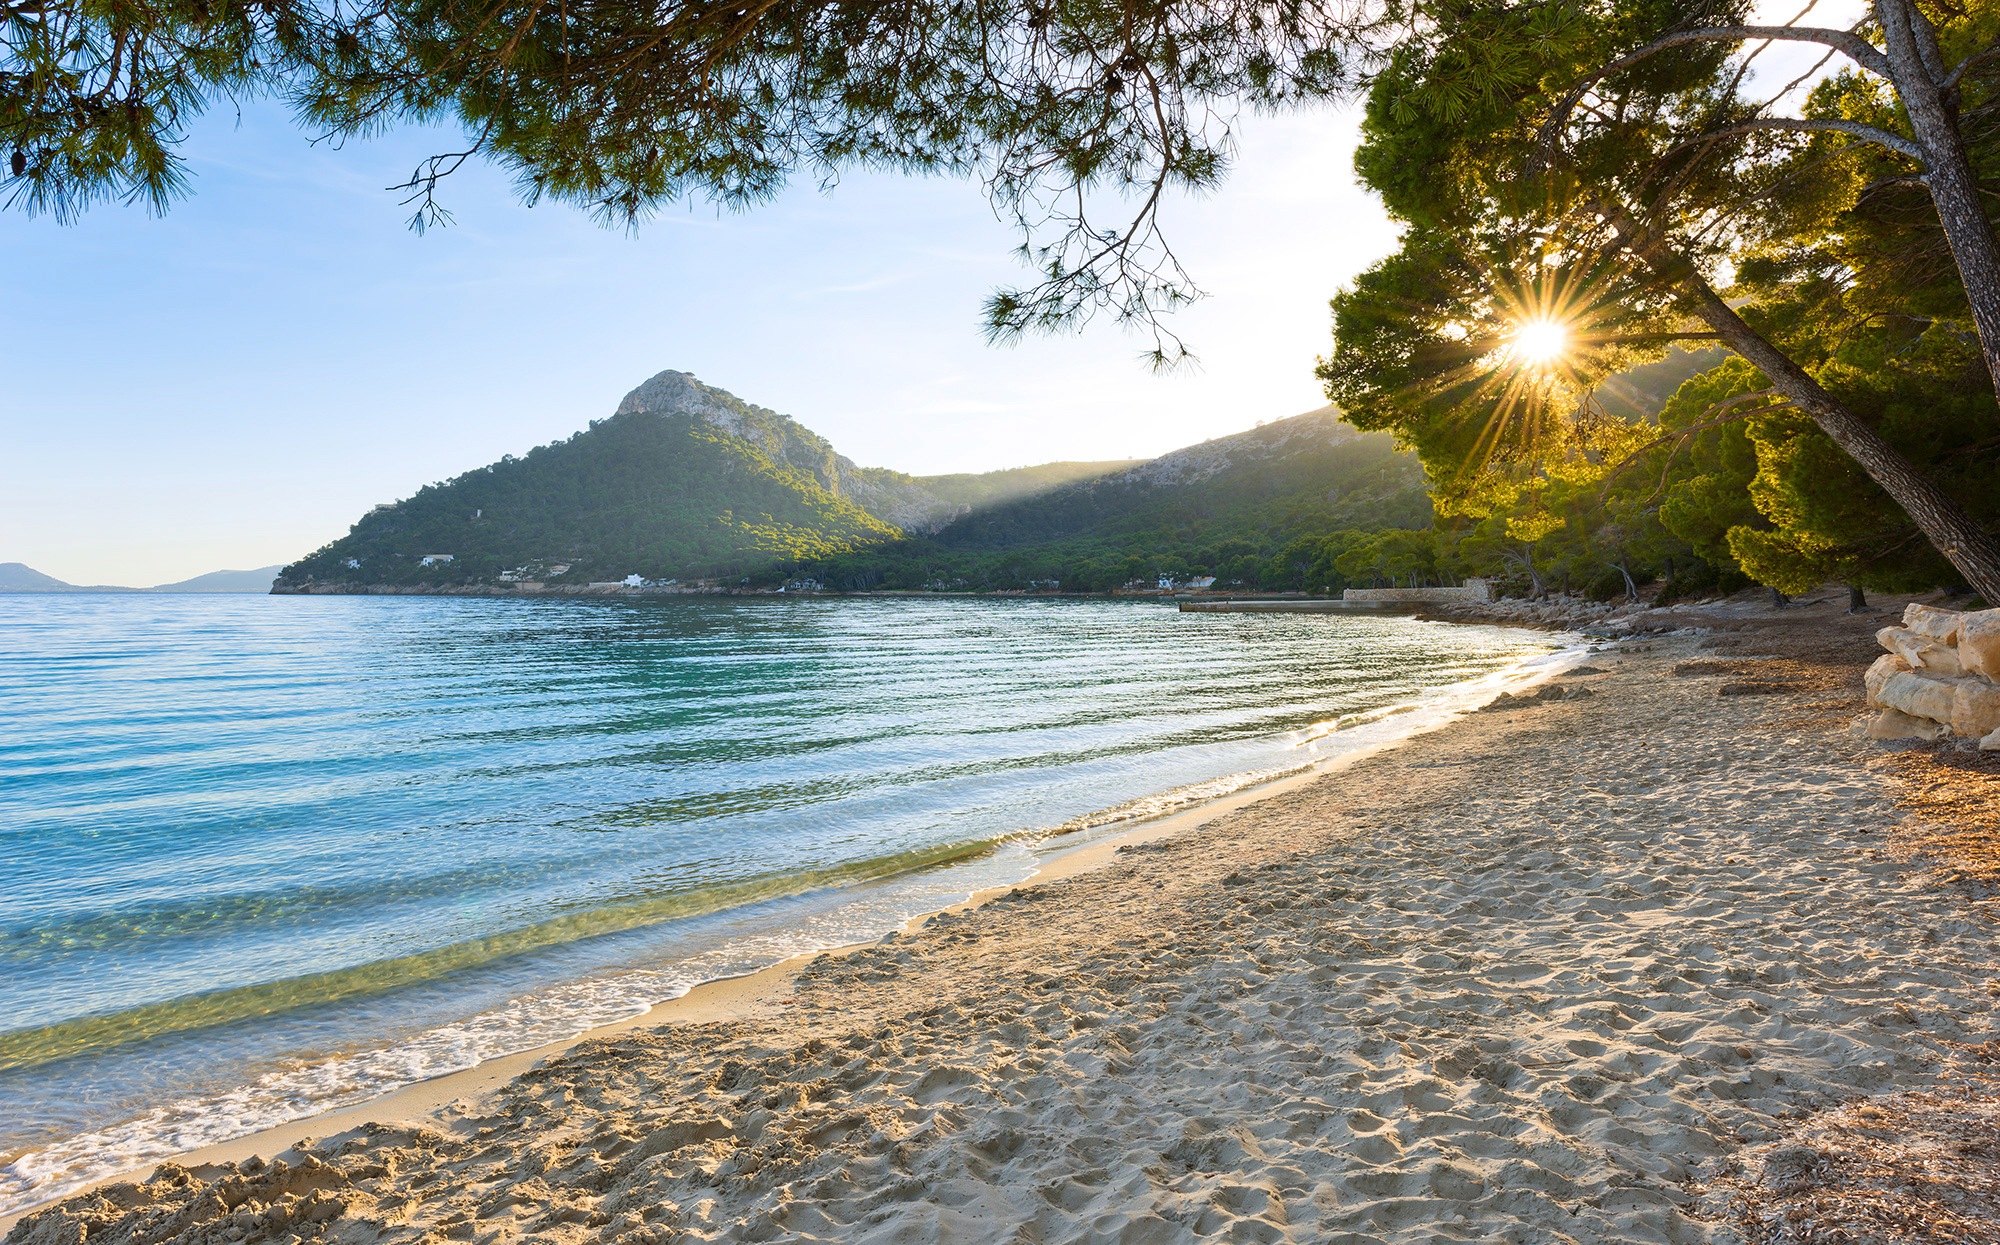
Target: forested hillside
x: 992, y: 488
x: 684, y: 481
x: 1269, y: 508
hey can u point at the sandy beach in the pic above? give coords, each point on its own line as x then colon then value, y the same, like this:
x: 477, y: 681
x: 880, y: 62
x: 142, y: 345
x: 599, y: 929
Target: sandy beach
x: 1628, y: 966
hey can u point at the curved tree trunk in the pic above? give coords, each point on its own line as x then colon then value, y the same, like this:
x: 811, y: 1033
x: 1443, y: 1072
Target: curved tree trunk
x: 1942, y: 520
x: 1966, y: 545
x: 1917, y: 75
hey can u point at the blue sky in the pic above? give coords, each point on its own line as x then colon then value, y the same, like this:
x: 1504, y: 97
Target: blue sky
x: 232, y: 385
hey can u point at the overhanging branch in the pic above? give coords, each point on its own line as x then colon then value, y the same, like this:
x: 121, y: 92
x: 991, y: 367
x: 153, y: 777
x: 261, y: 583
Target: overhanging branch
x: 1807, y: 125
x: 1853, y: 46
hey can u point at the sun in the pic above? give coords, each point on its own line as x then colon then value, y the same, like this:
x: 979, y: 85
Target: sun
x: 1539, y: 343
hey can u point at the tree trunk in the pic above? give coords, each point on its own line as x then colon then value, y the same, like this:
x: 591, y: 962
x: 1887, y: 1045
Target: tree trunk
x: 1908, y: 37
x: 1966, y: 545
x: 1536, y: 590
x: 1943, y: 521
x: 1857, y: 600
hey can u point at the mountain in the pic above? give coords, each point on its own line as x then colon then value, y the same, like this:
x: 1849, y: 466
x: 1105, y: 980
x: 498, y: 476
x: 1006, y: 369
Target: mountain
x: 683, y: 481
x: 17, y: 577
x: 1312, y: 470
x: 1237, y: 508
x: 258, y: 580
x: 688, y: 483
x: 993, y: 488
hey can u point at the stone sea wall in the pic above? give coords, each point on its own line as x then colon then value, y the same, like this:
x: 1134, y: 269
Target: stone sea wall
x: 1941, y: 676
x: 1471, y: 590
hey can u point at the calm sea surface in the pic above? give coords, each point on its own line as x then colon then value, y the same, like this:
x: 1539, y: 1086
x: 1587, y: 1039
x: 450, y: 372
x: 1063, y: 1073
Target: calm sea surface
x: 264, y: 856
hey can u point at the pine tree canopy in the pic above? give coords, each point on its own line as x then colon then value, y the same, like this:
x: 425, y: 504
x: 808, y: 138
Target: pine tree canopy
x: 1078, y: 115
x: 1601, y: 176
x: 1584, y: 184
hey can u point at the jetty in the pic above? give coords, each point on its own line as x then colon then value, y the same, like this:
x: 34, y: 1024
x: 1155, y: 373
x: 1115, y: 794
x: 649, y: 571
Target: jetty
x: 1354, y: 600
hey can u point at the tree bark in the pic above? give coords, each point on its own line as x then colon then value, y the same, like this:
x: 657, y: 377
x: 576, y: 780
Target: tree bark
x: 1918, y: 77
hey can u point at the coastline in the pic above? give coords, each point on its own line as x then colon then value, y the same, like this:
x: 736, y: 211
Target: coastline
x: 719, y: 1000
x: 1626, y: 1001
x: 740, y: 996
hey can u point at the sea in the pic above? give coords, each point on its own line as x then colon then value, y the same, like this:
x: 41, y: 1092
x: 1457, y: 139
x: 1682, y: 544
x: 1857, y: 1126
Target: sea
x: 265, y: 857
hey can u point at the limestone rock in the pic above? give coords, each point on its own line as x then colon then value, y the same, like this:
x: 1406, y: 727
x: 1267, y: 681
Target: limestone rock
x: 1943, y: 660
x: 1975, y: 708
x: 1878, y: 674
x: 1919, y: 695
x: 1979, y: 643
x: 1895, y: 724
x: 1991, y: 743
x: 1904, y: 643
x: 1938, y: 626
x: 1920, y: 650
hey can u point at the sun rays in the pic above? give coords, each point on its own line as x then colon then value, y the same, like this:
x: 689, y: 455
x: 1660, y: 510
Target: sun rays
x: 1526, y: 371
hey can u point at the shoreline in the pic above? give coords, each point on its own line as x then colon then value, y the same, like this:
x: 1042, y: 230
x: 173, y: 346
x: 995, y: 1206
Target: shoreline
x: 719, y: 999
x: 738, y: 997
x: 1416, y: 997
x: 1653, y: 960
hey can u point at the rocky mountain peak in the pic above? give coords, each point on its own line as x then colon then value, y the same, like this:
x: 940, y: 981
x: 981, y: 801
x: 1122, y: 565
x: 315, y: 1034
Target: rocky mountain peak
x: 670, y: 393
x: 888, y: 495
x: 681, y: 393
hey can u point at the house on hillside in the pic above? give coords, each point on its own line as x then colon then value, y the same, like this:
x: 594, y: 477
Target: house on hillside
x: 437, y: 559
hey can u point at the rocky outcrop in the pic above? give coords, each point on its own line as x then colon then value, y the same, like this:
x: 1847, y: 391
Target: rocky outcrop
x: 888, y: 495
x: 1940, y: 675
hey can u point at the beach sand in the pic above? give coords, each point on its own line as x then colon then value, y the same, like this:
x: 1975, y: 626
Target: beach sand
x: 1607, y: 968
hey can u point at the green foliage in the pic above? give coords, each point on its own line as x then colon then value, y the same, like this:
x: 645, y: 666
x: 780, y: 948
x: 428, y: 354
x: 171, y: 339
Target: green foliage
x: 1520, y: 208
x: 1270, y: 509
x: 1069, y: 111
x: 1394, y: 557
x: 670, y: 496
x: 663, y: 496
x: 993, y: 488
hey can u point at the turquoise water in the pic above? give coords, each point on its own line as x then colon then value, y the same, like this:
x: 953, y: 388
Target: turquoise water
x: 269, y: 855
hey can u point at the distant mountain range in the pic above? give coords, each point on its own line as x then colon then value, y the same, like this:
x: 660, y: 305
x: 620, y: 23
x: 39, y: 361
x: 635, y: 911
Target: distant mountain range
x: 687, y: 485
x: 16, y: 577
